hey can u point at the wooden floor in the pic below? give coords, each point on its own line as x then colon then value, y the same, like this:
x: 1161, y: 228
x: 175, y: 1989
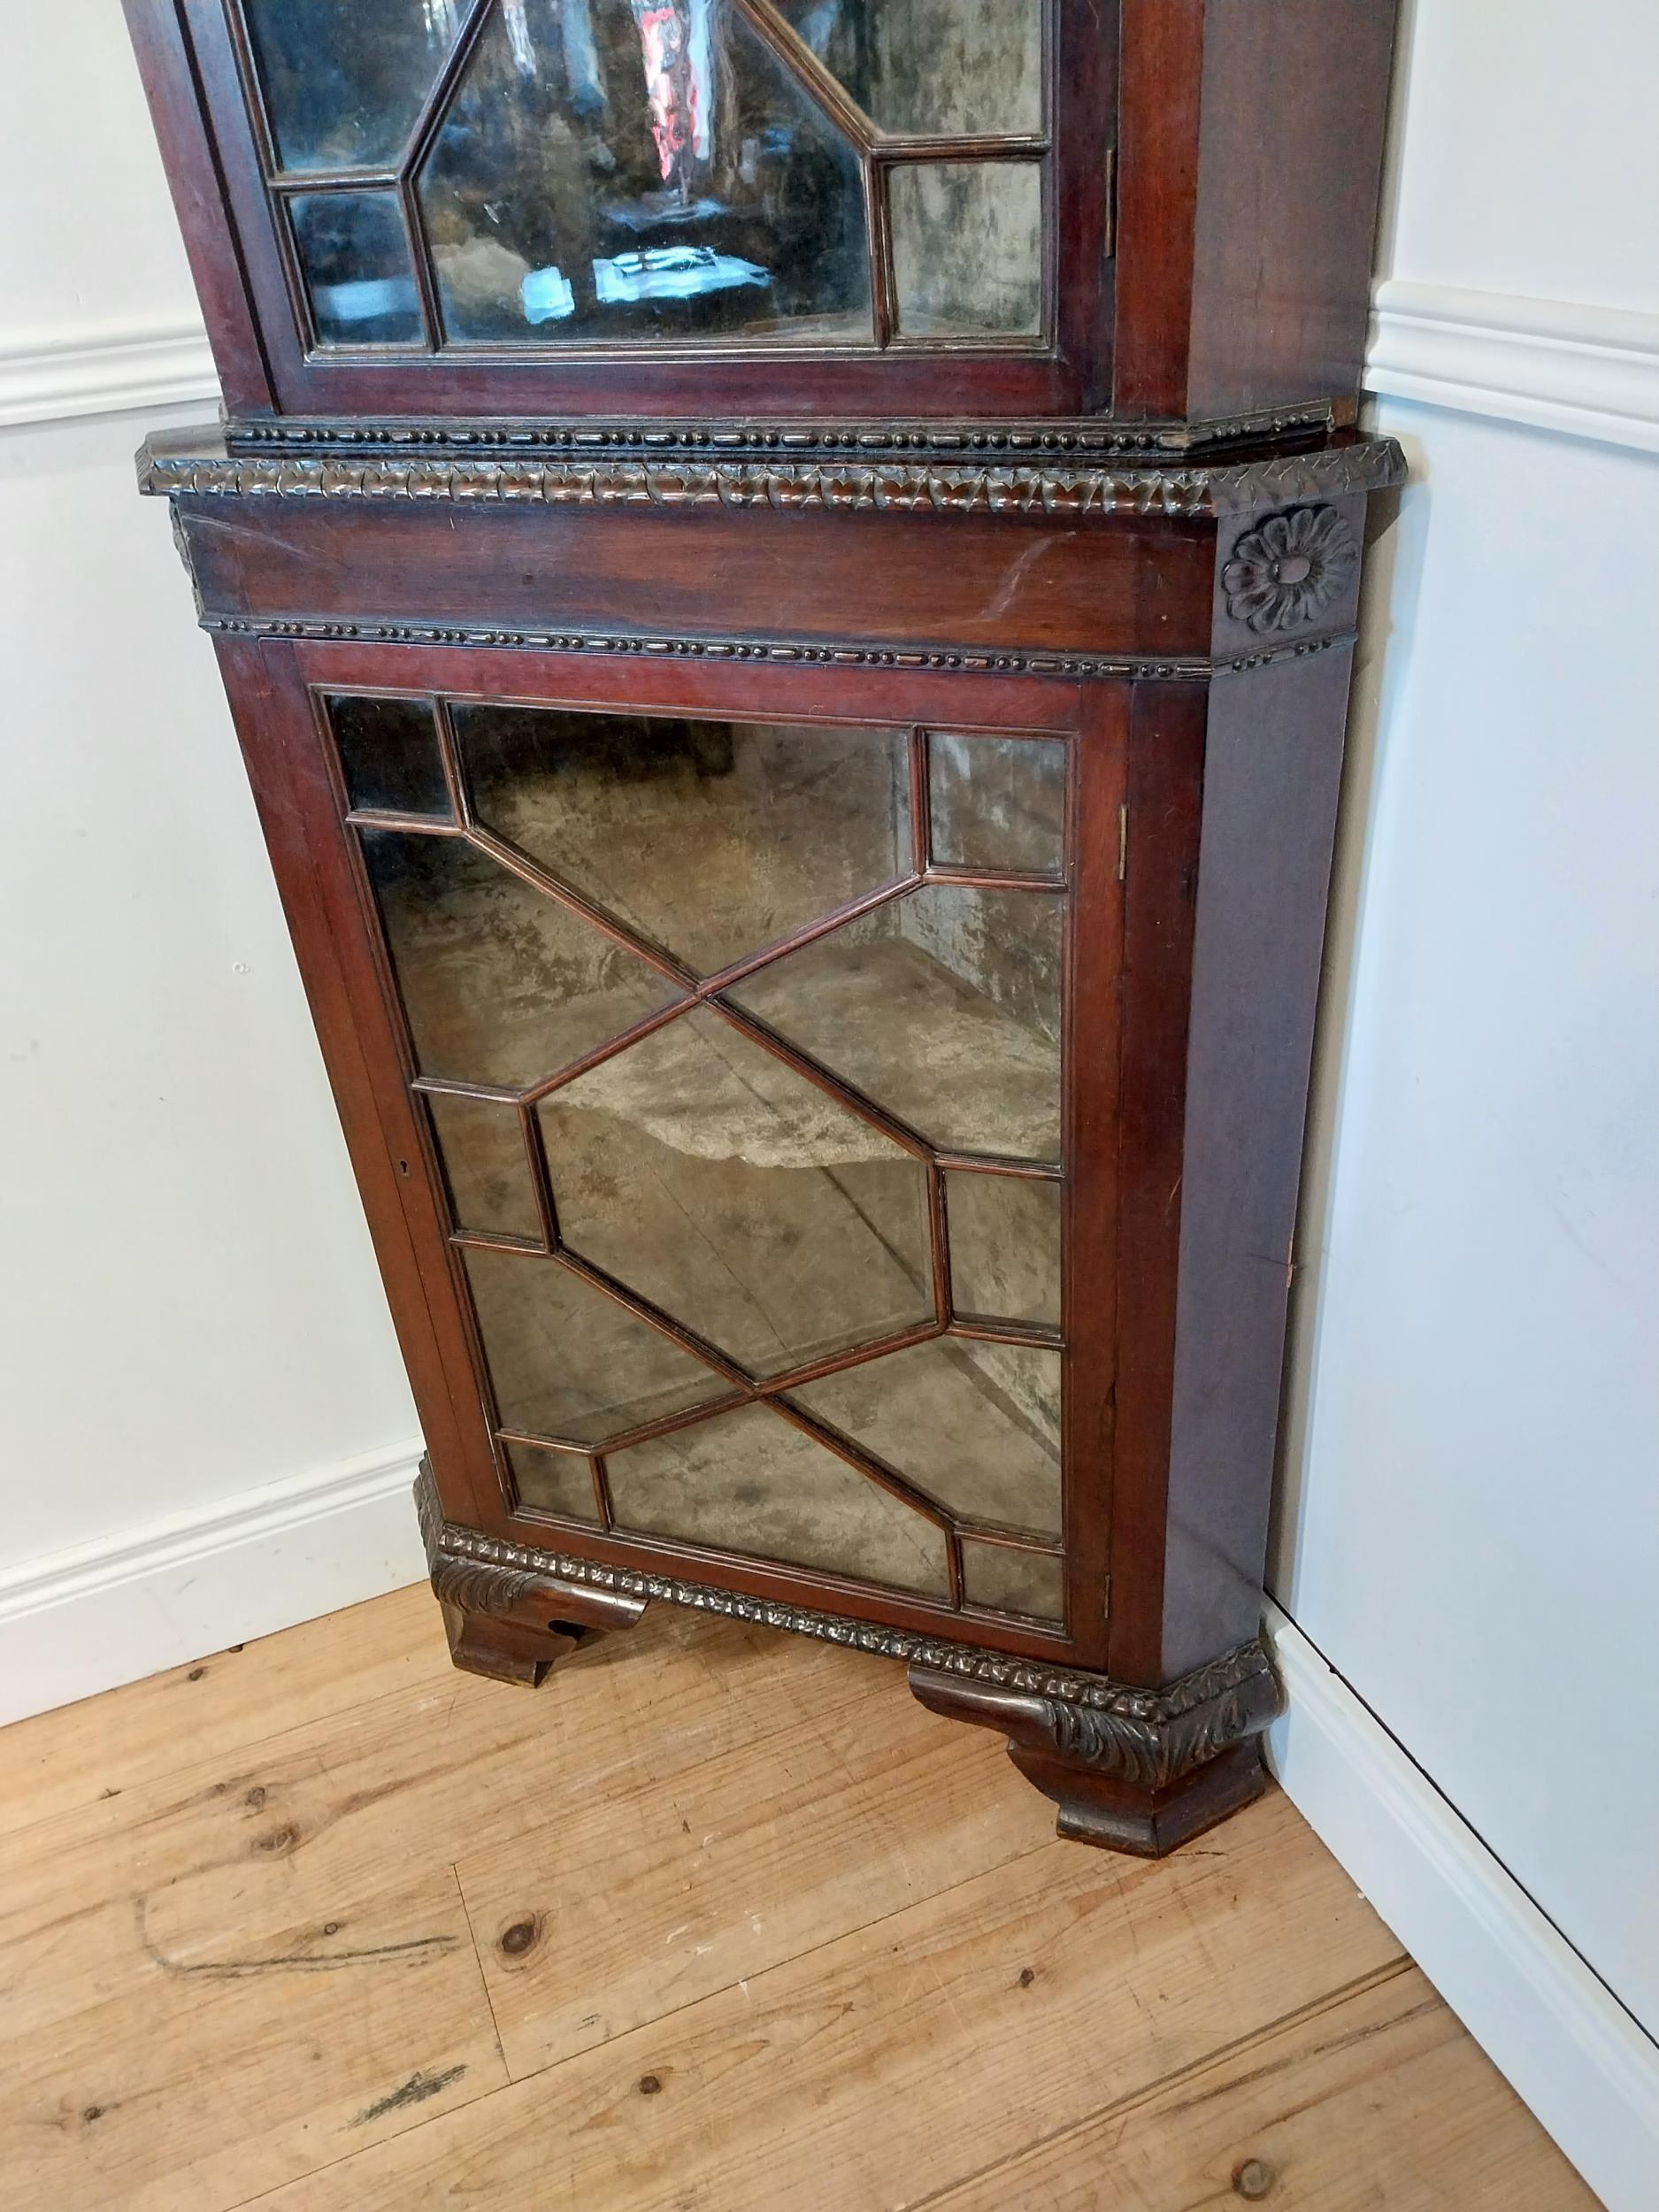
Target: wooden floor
x: 718, y: 1920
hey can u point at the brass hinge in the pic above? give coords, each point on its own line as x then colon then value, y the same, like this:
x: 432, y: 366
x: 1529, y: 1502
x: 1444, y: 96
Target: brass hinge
x: 1123, y: 843
x: 1110, y: 246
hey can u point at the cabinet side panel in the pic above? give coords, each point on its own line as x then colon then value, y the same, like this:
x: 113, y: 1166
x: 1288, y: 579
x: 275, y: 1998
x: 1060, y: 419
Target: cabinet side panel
x: 1295, y: 101
x: 1273, y: 767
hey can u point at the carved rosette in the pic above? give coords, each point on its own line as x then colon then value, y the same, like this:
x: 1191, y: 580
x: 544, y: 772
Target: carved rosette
x: 1150, y: 1737
x: 1286, y: 571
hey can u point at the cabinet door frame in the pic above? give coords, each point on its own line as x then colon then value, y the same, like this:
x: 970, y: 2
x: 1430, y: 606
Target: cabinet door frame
x: 194, y: 77
x: 276, y: 688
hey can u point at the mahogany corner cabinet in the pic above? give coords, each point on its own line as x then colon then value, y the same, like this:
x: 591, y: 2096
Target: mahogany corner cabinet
x: 786, y: 573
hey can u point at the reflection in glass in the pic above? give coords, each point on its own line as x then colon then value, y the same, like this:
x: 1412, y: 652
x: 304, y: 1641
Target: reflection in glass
x: 567, y: 1362
x: 931, y: 68
x: 502, y: 985
x: 751, y: 1482
x: 712, y: 839
x: 997, y: 803
x: 388, y: 754
x: 942, y: 1006
x: 354, y: 256
x: 618, y: 170
x: 1004, y: 1248
x: 1008, y: 1581
x: 967, y: 248
x: 342, y: 85
x: 706, y: 1175
x: 481, y: 1145
x: 976, y: 1427
x: 553, y: 1482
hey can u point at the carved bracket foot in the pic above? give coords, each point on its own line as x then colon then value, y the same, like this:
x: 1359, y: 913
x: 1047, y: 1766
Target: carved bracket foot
x: 1137, y: 1770
x: 513, y: 1621
x: 503, y: 1650
x: 1140, y: 1771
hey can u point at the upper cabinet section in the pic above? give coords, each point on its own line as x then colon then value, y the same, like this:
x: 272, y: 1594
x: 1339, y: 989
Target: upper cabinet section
x: 758, y: 210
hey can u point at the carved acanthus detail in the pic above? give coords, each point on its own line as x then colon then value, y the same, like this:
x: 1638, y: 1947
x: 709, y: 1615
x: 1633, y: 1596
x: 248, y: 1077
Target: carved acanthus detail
x: 1149, y: 1736
x: 1182, y: 489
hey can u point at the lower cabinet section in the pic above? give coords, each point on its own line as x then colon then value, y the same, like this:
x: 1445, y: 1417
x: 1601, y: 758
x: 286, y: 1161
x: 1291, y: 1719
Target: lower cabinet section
x: 827, y: 1121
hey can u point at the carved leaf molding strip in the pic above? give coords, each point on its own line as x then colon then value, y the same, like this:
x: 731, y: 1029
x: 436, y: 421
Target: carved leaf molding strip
x: 1231, y: 1696
x: 886, y: 487
x: 1187, y: 668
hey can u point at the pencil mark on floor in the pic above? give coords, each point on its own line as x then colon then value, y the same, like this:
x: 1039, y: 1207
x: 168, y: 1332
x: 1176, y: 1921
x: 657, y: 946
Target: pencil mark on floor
x: 408, y: 1954
x: 416, y: 2090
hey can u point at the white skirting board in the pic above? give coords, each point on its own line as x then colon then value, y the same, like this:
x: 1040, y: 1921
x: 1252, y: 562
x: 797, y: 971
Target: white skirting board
x: 1571, y: 2051
x: 181, y: 1589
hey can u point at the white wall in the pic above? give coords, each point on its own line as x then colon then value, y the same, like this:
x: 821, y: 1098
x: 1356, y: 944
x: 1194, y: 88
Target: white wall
x: 193, y: 1334
x: 1468, y: 1525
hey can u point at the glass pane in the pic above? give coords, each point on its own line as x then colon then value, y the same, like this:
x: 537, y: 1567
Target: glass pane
x: 967, y: 248
x: 354, y: 256
x: 712, y: 839
x: 701, y: 1171
x: 627, y: 170
x: 343, y: 84
x: 752, y: 1482
x: 942, y: 1006
x: 1004, y: 1248
x: 481, y: 1145
x: 502, y: 985
x: 1028, y: 1582
x: 931, y: 68
x: 570, y: 1364
x: 997, y: 803
x: 389, y: 753
x: 553, y: 1482
x: 976, y: 1427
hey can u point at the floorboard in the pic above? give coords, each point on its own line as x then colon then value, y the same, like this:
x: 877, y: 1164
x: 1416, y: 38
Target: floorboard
x: 720, y: 1920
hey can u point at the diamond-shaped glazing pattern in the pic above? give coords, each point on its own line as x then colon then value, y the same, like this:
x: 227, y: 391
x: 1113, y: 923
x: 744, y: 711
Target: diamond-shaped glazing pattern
x: 943, y: 1007
x: 503, y: 986
x: 568, y: 1362
x: 931, y: 68
x: 732, y: 1177
x: 703, y: 1172
x: 711, y: 840
x: 480, y: 1143
x: 553, y: 1482
x: 623, y: 174
x: 751, y: 1482
x: 343, y: 85
x: 975, y: 1426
